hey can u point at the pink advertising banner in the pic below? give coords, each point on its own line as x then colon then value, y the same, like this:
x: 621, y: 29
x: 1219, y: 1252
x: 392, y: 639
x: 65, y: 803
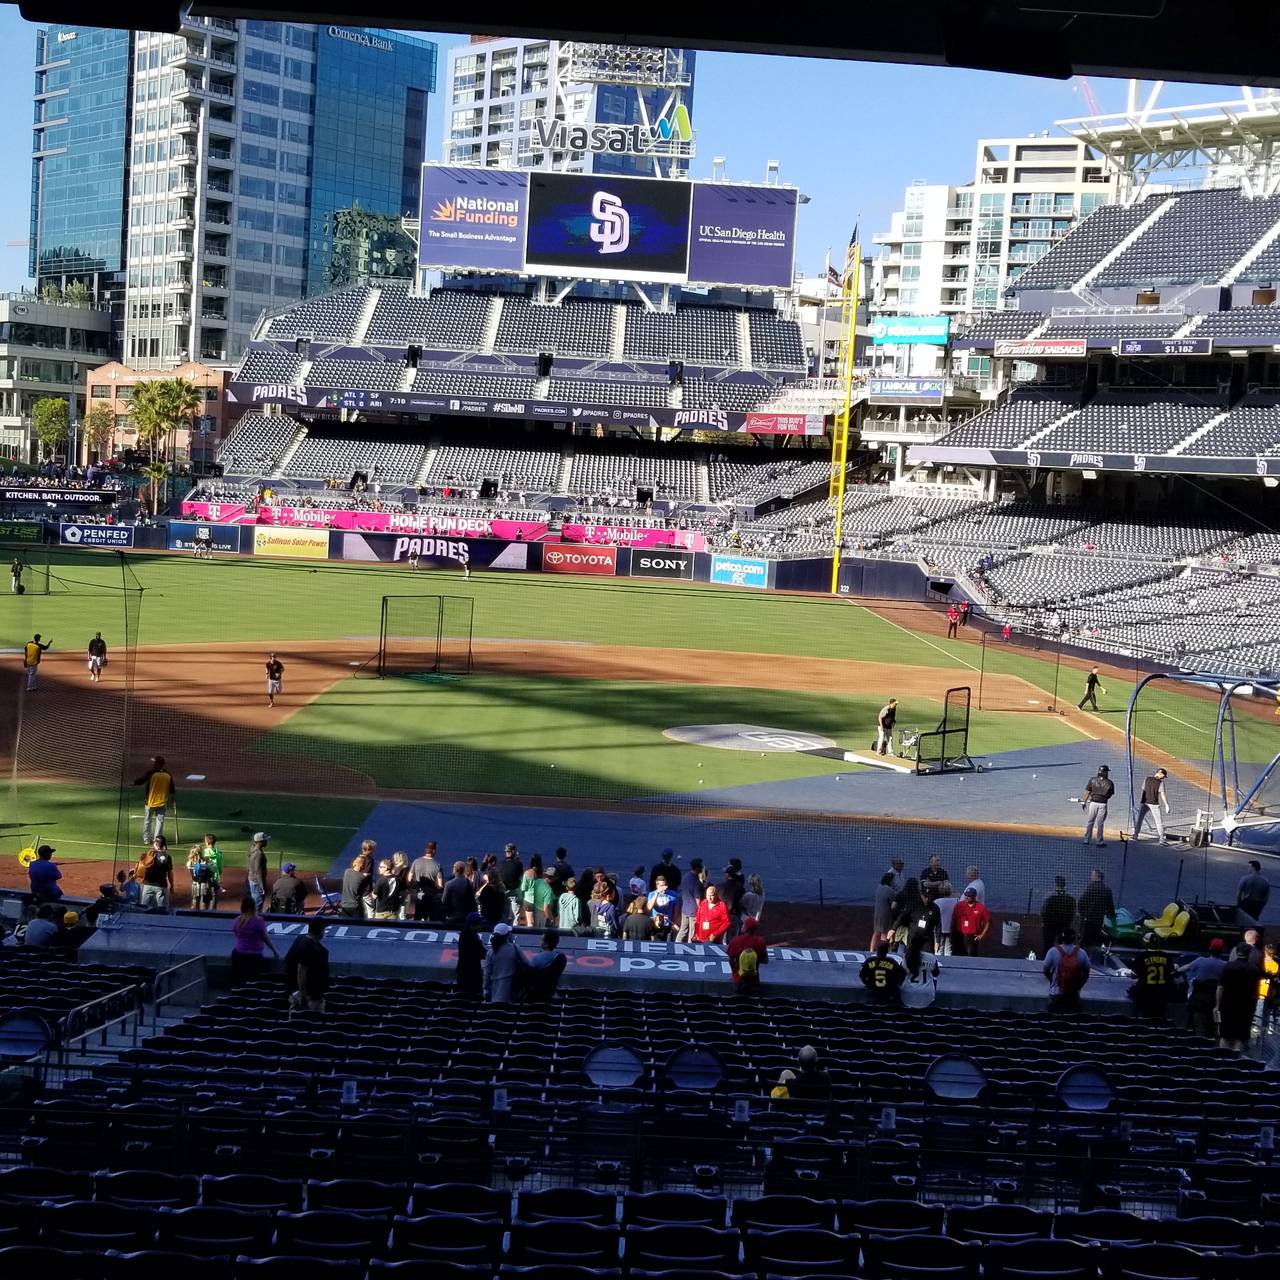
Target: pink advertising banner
x: 623, y: 536
x: 219, y: 512
x: 453, y: 526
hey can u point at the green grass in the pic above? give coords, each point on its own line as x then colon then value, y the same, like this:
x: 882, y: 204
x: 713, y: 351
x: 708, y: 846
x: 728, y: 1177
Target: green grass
x: 241, y: 599
x: 81, y: 822
x: 596, y: 739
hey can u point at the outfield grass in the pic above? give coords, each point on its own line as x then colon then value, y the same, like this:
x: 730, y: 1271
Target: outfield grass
x: 601, y: 739
x: 81, y: 822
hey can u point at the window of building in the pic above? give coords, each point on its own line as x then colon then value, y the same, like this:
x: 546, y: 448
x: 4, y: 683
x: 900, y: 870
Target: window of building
x: 300, y: 37
x: 991, y: 204
x: 910, y: 274
x: 296, y: 69
x: 292, y: 131
x: 256, y: 122
x: 257, y: 188
x: 263, y: 30
x: 255, y: 219
x: 262, y: 157
x: 288, y: 255
x: 259, y: 91
x: 100, y: 393
x: 253, y: 281
x: 907, y: 297
x: 912, y: 250
x: 261, y: 60
x: 297, y: 100
x: 1088, y: 203
x: 288, y: 224
x: 253, y: 250
x: 292, y: 162
x: 291, y: 193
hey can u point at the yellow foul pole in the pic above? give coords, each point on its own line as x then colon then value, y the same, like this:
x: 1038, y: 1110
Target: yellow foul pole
x: 840, y: 435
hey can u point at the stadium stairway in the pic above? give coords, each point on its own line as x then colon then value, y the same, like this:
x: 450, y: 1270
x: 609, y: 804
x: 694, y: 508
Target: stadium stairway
x: 289, y: 450
x: 744, y: 341
x: 704, y: 481
x: 433, y: 447
x: 1257, y: 249
x: 489, y: 340
x: 366, y: 317
x: 1136, y: 234
x: 566, y: 470
x: 1188, y: 441
x: 618, y: 334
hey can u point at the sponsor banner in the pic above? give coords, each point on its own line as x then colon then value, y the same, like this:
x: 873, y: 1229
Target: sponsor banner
x: 906, y: 390
x: 784, y: 424
x: 219, y: 512
x: 394, y: 521
x: 743, y: 235
x: 739, y: 571
x: 1041, y: 348
x: 306, y: 544
x: 900, y: 331
x: 621, y: 535
x: 63, y: 497
x: 1166, y: 346
x: 598, y: 561
x: 187, y: 535
x: 96, y: 535
x: 606, y: 227
x: 433, y: 551
x: 661, y: 564
x: 472, y: 218
x: 21, y: 531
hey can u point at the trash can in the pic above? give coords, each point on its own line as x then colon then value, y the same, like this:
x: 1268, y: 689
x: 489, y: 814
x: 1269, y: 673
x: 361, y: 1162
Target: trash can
x: 1010, y: 933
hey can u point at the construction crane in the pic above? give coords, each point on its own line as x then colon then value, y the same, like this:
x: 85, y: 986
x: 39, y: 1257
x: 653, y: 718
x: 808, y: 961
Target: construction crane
x: 1086, y: 92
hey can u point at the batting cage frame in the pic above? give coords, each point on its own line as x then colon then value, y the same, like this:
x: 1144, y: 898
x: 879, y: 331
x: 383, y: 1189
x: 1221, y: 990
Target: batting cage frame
x: 1222, y: 795
x: 425, y: 635
x: 998, y: 669
x: 946, y: 748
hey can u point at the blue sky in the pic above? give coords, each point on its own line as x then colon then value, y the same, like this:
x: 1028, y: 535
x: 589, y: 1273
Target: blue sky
x: 852, y: 136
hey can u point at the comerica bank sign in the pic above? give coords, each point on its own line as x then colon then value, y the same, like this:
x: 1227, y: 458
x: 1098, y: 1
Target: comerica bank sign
x: 361, y: 37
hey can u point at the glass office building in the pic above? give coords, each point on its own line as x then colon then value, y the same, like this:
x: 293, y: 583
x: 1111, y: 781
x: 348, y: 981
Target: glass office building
x: 211, y: 167
x: 371, y: 94
x: 80, y: 131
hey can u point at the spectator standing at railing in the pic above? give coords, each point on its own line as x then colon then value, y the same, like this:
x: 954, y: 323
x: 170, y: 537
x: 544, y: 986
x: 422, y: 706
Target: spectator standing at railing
x: 44, y: 874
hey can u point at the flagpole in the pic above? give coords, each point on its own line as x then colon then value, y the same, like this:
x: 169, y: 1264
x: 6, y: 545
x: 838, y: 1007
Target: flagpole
x: 840, y: 437
x: 822, y: 329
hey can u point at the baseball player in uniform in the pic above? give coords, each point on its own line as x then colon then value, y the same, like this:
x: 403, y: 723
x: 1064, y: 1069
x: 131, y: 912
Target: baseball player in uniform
x: 1154, y: 798
x: 32, y: 652
x: 97, y: 657
x: 884, y: 727
x: 275, y: 678
x: 1098, y: 790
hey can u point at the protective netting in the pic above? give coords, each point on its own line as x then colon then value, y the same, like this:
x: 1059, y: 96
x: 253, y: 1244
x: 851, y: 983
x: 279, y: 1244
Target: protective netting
x: 1018, y: 671
x: 427, y: 634
x: 33, y: 568
x: 66, y: 737
x: 1213, y: 736
x: 945, y: 749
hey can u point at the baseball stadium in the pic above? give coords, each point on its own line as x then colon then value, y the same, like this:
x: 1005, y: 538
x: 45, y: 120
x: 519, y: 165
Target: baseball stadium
x: 915, y: 736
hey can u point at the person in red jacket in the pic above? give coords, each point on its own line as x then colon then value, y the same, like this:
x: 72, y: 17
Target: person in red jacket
x: 712, y: 920
x: 970, y: 921
x: 746, y: 978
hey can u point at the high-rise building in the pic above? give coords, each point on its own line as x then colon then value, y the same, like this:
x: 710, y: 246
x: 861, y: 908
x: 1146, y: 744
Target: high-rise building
x: 244, y: 144
x: 955, y: 249
x: 514, y: 102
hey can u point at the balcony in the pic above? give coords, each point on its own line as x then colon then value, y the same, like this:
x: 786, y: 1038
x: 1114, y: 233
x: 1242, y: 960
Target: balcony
x: 184, y: 250
x: 221, y: 59
x: 220, y: 123
x: 214, y: 319
x: 221, y: 188
x: 179, y: 284
x: 214, y: 282
x: 188, y: 123
x: 223, y: 89
x: 216, y: 249
x: 186, y: 54
x: 217, y: 216
x: 183, y: 220
x: 188, y: 90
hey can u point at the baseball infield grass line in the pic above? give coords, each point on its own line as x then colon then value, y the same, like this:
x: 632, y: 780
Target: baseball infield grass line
x: 915, y: 635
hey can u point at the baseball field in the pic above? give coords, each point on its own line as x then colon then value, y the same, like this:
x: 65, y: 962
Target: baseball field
x: 588, y: 718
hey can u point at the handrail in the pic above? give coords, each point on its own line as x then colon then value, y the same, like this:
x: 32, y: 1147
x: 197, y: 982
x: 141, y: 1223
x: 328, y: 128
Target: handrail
x: 168, y: 976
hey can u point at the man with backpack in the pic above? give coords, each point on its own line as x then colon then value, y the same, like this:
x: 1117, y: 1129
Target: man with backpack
x: 155, y: 872
x: 1067, y: 967
x: 747, y: 952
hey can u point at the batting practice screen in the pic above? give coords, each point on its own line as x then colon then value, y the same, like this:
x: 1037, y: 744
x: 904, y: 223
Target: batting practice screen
x: 425, y: 635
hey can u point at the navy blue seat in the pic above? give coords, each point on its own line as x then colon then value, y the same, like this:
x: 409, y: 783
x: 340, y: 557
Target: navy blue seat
x: 915, y: 1257
x: 445, y: 1237
x: 568, y: 1204
x: 1153, y: 1262
x: 997, y: 1222
x: 800, y: 1252
x: 323, y: 1233
x: 1040, y: 1260
x: 251, y: 1191
x: 579, y: 1244
x: 777, y: 1213
x: 208, y: 1229
x: 688, y: 1248
x: 466, y: 1199
x: 147, y: 1188
x: 671, y: 1208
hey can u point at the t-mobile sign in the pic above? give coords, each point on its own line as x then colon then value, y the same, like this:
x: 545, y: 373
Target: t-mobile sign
x: 742, y: 235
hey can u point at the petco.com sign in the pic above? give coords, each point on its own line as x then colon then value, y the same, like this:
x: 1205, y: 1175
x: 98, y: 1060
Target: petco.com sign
x: 602, y: 561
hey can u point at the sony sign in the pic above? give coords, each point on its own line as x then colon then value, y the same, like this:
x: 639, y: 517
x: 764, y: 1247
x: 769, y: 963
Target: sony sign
x: 360, y: 37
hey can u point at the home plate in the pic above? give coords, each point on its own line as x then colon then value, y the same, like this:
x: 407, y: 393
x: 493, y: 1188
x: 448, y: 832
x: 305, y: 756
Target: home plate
x: 877, y: 761
x: 195, y: 777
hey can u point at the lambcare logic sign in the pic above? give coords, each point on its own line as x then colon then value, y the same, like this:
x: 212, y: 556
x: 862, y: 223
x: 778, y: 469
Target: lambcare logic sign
x: 599, y: 561
x: 667, y: 563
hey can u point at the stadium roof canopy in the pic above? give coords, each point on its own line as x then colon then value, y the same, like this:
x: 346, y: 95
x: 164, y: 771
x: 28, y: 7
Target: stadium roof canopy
x: 1232, y: 40
x: 1232, y: 140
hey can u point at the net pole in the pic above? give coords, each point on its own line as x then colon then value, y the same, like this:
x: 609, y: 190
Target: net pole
x: 840, y: 437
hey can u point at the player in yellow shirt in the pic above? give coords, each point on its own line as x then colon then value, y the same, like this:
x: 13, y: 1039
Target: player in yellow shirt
x: 32, y: 652
x: 160, y: 790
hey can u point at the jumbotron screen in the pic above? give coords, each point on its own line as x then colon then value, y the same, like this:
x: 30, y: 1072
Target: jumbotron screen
x: 603, y: 227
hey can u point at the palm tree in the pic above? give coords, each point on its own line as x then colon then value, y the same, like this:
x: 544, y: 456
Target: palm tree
x: 158, y: 409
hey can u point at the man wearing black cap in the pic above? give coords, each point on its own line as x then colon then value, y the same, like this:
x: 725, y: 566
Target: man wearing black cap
x: 256, y: 868
x: 1154, y: 798
x: 288, y: 894
x: 1097, y: 791
x: 668, y: 870
x: 731, y: 889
